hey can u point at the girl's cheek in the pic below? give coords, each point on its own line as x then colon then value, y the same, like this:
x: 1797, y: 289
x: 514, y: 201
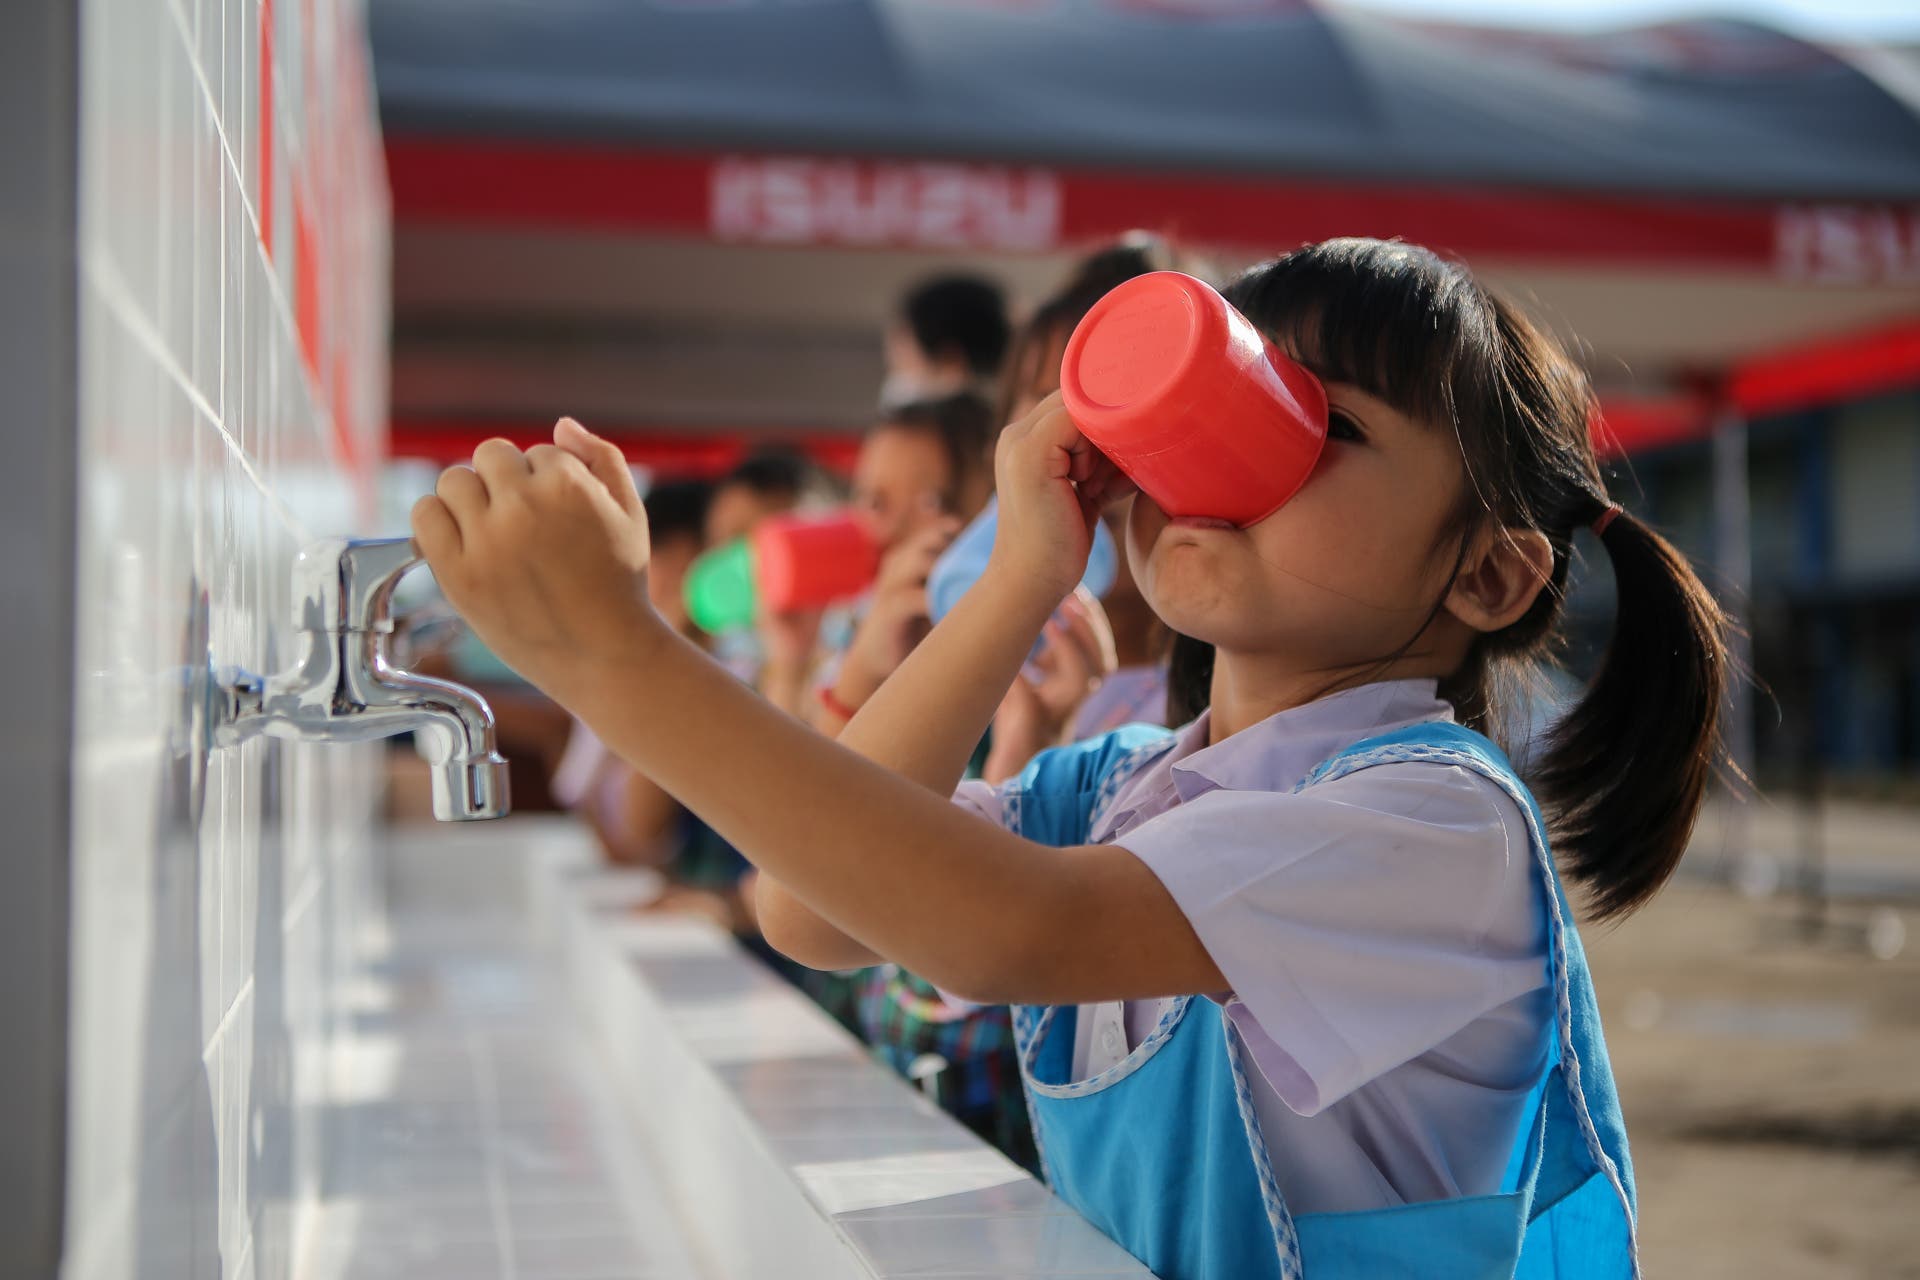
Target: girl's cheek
x: 1308, y: 526
x: 1144, y: 522
x: 1357, y: 553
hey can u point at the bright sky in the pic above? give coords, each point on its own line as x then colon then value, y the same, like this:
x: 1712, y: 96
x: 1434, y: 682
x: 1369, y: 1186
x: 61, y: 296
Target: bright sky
x: 1833, y: 19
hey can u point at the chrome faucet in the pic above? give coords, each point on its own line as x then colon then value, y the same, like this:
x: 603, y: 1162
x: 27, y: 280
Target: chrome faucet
x: 341, y: 688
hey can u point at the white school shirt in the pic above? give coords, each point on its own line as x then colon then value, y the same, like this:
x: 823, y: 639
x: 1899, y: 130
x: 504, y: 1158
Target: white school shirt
x: 1383, y: 936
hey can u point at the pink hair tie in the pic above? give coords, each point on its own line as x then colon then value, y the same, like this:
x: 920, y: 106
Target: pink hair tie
x: 1605, y: 519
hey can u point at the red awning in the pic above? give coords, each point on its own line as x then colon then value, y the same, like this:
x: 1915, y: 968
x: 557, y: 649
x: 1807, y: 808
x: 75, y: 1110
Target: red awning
x: 1833, y: 371
x: 849, y: 203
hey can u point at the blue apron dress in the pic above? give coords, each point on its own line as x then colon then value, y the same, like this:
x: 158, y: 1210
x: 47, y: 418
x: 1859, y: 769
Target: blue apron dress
x: 1163, y: 1150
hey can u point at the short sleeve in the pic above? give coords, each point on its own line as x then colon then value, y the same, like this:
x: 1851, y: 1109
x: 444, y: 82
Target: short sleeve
x: 1360, y: 922
x: 976, y: 795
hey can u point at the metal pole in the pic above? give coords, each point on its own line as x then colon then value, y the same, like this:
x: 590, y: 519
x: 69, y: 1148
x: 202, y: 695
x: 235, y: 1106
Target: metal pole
x: 1733, y: 565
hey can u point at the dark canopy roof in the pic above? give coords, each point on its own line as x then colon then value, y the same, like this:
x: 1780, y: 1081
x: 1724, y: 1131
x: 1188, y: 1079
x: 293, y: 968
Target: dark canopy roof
x: 1227, y: 86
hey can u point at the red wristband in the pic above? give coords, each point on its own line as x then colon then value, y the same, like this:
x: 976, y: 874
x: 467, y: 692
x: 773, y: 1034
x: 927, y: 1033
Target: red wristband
x: 834, y: 704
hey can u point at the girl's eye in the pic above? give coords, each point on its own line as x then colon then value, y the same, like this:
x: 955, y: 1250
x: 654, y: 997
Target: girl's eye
x: 1342, y: 427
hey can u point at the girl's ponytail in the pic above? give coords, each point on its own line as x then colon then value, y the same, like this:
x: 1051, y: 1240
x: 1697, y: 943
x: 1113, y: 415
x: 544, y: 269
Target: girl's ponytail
x: 1625, y: 770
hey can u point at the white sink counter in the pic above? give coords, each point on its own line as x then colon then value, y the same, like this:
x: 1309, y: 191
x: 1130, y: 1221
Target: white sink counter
x: 646, y: 1081
x: 472, y: 1129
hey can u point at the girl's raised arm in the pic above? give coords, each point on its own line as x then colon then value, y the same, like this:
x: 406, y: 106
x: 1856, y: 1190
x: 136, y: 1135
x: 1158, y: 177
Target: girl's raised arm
x: 545, y: 559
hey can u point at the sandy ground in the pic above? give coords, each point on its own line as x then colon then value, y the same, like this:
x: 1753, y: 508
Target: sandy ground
x: 1771, y: 1071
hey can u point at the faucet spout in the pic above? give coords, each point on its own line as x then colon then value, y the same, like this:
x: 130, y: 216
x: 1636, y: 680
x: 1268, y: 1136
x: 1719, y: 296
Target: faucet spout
x: 344, y: 688
x: 455, y: 729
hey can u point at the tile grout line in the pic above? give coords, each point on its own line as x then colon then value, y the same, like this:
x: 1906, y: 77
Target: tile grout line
x: 308, y: 892
x: 242, y: 1258
x: 100, y: 273
x: 245, y: 992
x: 489, y: 1098
x: 180, y: 21
x: 213, y: 114
x: 283, y: 308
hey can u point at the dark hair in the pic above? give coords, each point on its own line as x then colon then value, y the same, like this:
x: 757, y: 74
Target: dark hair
x: 963, y: 316
x: 1096, y: 275
x: 677, y: 508
x: 1623, y: 772
x: 772, y: 471
x: 963, y: 424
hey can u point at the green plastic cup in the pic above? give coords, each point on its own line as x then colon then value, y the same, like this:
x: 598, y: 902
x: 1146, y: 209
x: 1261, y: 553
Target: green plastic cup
x: 719, y: 591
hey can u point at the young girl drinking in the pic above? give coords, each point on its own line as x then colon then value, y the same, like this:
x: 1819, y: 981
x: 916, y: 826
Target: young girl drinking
x: 1300, y: 991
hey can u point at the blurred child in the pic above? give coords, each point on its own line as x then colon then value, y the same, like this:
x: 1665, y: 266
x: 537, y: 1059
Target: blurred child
x: 922, y: 471
x: 765, y: 483
x: 949, y: 336
x: 768, y: 482
x: 1102, y: 665
x: 1299, y: 989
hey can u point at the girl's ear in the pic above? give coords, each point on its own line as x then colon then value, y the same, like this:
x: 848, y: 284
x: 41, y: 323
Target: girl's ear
x: 1503, y: 574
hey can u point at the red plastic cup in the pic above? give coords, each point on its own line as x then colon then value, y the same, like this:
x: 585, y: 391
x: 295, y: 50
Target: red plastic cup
x: 1191, y: 401
x: 807, y: 562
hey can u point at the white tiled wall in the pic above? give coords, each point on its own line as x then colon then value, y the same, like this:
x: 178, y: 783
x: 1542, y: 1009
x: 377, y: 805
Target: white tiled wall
x: 233, y: 303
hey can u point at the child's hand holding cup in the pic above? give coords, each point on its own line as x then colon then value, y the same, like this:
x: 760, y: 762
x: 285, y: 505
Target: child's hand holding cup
x: 1052, y: 485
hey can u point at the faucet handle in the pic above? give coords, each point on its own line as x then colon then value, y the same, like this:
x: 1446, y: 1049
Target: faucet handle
x: 346, y: 584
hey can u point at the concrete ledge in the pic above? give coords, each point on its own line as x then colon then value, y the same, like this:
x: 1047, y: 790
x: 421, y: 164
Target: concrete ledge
x: 788, y: 1152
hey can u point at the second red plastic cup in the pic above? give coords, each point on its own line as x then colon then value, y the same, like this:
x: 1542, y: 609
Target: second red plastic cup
x: 805, y: 562
x: 1191, y: 401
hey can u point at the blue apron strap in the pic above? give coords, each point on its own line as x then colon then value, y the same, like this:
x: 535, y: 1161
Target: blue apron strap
x: 1286, y: 1238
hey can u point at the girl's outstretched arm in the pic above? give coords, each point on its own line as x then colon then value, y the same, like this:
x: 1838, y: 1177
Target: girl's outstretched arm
x: 547, y: 559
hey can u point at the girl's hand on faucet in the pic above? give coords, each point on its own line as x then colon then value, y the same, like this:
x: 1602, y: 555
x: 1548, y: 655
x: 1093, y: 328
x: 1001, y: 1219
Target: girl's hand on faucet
x: 543, y: 552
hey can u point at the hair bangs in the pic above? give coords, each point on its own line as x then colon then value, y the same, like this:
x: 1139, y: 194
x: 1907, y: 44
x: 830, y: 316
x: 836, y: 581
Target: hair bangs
x: 1394, y: 320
